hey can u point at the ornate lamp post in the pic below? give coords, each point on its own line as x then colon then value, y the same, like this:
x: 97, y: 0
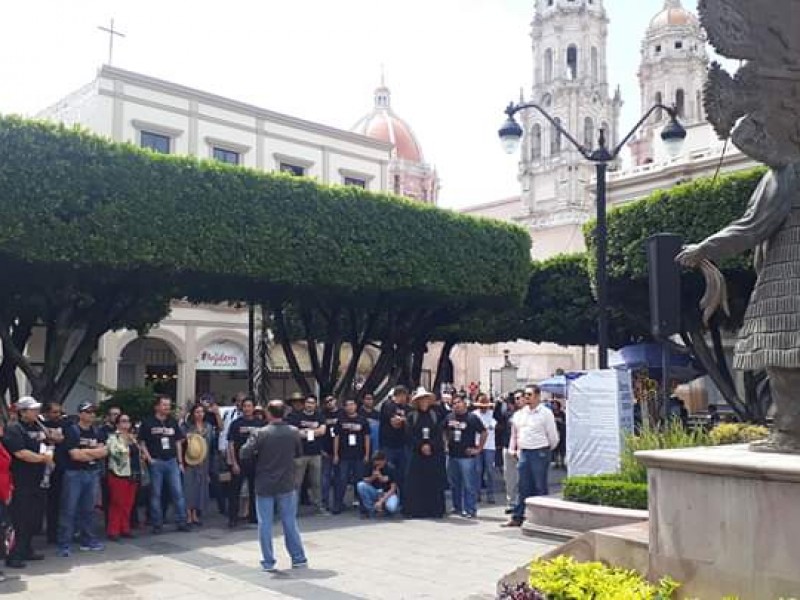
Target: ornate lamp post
x: 673, y: 136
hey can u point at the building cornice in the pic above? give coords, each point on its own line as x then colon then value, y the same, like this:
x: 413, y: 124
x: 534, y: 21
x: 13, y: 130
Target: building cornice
x: 167, y: 87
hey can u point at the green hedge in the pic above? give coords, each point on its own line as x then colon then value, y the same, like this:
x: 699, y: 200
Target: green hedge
x: 78, y: 201
x: 606, y: 490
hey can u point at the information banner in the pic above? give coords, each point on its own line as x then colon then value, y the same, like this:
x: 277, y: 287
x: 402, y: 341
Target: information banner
x: 599, y: 414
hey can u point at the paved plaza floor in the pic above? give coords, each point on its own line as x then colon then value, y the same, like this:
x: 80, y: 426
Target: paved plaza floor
x: 350, y: 559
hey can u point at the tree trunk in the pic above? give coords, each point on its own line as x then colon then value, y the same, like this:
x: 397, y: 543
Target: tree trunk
x: 291, y: 357
x: 444, y: 366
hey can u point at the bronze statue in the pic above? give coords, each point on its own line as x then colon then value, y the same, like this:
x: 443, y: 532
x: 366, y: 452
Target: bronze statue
x: 759, y: 109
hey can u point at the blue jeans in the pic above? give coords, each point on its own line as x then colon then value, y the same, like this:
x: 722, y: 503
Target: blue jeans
x: 350, y: 470
x: 398, y: 458
x: 369, y: 494
x: 532, y: 468
x: 287, y: 510
x: 329, y: 477
x: 374, y: 434
x: 461, y: 474
x: 166, y: 472
x: 484, y: 469
x: 78, y: 495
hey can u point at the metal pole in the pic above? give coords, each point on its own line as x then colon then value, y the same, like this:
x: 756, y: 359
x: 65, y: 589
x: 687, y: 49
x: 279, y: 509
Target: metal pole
x: 251, y: 349
x: 602, y: 273
x: 665, y: 387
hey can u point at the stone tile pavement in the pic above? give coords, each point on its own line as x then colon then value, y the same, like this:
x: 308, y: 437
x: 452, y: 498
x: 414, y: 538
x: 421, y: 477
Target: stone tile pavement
x: 349, y: 558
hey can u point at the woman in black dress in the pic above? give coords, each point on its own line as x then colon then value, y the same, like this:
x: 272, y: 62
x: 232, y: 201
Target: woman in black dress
x: 425, y: 481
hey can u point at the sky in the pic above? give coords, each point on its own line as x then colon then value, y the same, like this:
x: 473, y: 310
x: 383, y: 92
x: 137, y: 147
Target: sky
x: 452, y: 65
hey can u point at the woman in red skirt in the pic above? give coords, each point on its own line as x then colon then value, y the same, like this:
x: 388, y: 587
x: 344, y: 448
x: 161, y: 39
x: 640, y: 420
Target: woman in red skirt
x: 124, y: 473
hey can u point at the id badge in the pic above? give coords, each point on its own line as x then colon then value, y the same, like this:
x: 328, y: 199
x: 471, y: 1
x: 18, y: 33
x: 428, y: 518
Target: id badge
x: 310, y: 435
x: 457, y: 435
x: 351, y: 439
x: 426, y: 433
x: 333, y: 432
x: 165, y: 443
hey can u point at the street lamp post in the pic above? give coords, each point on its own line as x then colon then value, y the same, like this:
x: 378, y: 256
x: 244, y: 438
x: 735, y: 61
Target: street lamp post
x: 672, y: 135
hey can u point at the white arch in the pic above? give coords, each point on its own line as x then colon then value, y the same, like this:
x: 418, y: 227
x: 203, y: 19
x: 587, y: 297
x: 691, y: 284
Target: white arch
x: 222, y: 335
x: 175, y: 343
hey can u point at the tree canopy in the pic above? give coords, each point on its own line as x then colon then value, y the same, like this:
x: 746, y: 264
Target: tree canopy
x: 97, y: 236
x: 75, y: 200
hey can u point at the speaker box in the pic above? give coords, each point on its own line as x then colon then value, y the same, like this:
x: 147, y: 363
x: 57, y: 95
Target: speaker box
x: 665, y: 284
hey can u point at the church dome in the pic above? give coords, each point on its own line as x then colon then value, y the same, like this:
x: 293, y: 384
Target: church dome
x: 383, y: 124
x: 672, y: 15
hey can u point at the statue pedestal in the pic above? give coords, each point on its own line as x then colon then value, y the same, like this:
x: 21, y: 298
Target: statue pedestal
x: 725, y: 520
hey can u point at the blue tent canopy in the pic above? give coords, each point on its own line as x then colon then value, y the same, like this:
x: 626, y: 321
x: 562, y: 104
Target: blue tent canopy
x: 650, y: 356
x: 558, y: 383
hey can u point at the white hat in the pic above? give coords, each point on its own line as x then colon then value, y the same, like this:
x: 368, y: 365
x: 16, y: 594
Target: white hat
x: 421, y: 392
x: 27, y: 403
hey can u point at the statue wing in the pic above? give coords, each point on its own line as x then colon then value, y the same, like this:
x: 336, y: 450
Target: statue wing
x: 765, y: 31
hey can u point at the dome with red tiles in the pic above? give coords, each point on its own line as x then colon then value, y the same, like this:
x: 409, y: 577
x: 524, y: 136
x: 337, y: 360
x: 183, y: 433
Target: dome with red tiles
x: 383, y: 124
x: 673, y: 15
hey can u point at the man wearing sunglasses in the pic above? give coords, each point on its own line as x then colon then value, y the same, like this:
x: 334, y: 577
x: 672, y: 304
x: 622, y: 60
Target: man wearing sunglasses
x: 533, y: 438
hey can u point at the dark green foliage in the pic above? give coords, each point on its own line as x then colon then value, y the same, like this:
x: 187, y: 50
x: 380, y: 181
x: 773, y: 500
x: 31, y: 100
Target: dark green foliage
x: 137, y: 403
x: 75, y: 200
x: 606, y: 490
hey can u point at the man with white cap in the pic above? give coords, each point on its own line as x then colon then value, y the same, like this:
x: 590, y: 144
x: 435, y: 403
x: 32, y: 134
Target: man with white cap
x: 25, y: 441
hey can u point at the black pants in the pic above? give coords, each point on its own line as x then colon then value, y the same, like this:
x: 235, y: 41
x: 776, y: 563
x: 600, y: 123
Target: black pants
x: 27, y: 509
x: 53, y: 505
x: 236, y: 490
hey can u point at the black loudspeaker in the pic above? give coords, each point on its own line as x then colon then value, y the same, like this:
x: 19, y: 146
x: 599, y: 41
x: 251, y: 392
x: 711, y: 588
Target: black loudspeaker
x: 665, y: 284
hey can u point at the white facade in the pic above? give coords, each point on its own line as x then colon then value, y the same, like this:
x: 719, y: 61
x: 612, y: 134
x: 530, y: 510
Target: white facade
x: 199, y: 349
x: 558, y: 188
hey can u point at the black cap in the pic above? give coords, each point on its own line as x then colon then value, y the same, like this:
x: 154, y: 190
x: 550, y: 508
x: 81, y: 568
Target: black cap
x: 86, y: 407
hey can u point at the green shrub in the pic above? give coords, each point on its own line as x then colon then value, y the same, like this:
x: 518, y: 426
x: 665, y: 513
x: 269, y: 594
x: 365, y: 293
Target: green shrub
x: 737, y: 433
x: 673, y: 436
x: 606, y: 490
x: 562, y: 578
x: 135, y: 402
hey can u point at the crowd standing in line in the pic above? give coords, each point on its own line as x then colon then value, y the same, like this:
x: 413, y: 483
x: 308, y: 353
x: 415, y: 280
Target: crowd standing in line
x: 400, y: 456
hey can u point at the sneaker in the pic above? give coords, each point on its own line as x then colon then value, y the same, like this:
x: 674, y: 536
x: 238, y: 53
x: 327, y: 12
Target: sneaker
x: 468, y: 515
x: 183, y: 528
x: 271, y: 569
x: 63, y: 551
x: 93, y: 546
x: 303, y: 564
x: 512, y: 523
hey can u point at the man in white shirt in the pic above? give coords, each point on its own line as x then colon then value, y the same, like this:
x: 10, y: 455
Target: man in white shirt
x: 533, y: 438
x: 485, y: 463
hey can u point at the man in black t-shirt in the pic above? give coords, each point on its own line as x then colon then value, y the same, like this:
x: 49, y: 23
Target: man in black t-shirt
x: 85, y: 449
x: 25, y: 442
x: 330, y: 471
x: 351, y: 448
x: 461, y: 431
x: 373, y: 416
x: 161, y: 443
x: 378, y: 489
x: 238, y: 434
x: 55, y: 424
x: 393, y: 435
x: 311, y: 428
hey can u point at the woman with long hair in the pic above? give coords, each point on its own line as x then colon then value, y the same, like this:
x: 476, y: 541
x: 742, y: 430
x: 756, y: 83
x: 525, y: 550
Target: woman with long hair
x: 124, y: 475
x: 197, y: 459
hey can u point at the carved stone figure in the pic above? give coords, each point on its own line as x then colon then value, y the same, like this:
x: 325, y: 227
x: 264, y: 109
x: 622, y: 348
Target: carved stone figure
x: 759, y: 109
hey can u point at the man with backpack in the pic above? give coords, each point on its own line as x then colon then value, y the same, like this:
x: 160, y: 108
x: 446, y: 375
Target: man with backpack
x: 85, y: 448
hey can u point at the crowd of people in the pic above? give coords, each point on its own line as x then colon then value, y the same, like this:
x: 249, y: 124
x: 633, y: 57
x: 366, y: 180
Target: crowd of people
x: 399, y: 456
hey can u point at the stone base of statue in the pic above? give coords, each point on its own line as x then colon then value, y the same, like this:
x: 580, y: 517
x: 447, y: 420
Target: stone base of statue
x: 725, y: 521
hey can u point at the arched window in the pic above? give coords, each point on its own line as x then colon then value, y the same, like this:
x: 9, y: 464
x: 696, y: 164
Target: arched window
x: 588, y: 133
x: 555, y: 138
x: 680, y: 102
x: 536, y: 142
x: 548, y: 65
x: 658, y: 115
x: 572, y: 62
x: 595, y: 65
x: 698, y: 115
x: 609, y: 135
